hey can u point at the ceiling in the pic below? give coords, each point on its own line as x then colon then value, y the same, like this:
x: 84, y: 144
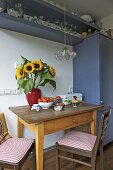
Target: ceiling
x: 98, y: 9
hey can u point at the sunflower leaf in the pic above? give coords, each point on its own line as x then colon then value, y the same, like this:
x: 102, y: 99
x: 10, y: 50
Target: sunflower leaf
x: 46, y: 75
x: 28, y: 86
x: 45, y: 65
x: 50, y: 81
x: 43, y: 82
x: 24, y: 60
x: 24, y: 83
x: 19, y: 82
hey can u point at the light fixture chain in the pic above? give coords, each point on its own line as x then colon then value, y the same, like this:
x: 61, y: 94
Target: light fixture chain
x: 65, y: 52
x: 65, y: 26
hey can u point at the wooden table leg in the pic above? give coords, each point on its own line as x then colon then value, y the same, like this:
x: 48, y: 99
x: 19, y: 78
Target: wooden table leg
x: 93, y: 123
x: 39, y: 146
x: 20, y: 129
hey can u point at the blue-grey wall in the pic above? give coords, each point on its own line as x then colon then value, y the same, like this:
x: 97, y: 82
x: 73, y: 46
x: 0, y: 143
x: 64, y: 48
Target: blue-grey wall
x: 93, y: 74
x: 86, y: 77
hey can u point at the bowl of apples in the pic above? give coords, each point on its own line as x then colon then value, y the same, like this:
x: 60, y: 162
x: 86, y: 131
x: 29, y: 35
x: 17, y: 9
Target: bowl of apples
x: 59, y: 106
x: 57, y: 99
x: 45, y: 102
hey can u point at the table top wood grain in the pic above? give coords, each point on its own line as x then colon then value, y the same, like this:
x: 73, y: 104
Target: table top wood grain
x: 34, y: 117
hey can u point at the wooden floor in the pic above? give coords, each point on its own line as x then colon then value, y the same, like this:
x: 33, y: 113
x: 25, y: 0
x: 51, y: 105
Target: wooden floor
x: 49, y: 161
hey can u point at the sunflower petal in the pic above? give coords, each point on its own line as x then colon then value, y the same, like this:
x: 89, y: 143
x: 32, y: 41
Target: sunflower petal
x: 29, y: 67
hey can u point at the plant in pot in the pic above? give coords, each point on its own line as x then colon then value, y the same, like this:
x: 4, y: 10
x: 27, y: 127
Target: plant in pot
x: 32, y: 74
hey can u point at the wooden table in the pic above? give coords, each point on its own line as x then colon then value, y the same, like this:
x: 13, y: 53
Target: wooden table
x: 49, y: 121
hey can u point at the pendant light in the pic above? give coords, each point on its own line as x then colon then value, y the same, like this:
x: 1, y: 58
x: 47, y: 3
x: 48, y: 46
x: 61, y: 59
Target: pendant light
x: 65, y: 52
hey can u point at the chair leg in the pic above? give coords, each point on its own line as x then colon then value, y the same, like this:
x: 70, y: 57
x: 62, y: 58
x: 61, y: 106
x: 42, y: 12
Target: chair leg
x: 17, y: 167
x: 101, y: 158
x: 74, y: 164
x: 93, y: 167
x: 93, y: 163
x: 34, y: 159
x: 57, y: 159
x: 1, y: 168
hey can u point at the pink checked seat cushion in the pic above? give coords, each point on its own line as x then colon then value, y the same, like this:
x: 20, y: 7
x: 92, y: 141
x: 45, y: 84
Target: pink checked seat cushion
x: 14, y: 149
x: 79, y: 140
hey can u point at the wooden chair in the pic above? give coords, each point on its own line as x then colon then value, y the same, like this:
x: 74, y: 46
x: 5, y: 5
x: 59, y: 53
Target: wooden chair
x: 14, y: 151
x: 83, y: 144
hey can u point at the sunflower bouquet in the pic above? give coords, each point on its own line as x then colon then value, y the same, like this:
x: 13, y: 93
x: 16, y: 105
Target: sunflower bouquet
x: 32, y: 74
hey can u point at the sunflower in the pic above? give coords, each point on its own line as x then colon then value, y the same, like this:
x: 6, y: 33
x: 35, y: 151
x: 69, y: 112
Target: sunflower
x: 19, y: 72
x: 29, y: 67
x: 38, y: 65
x: 52, y: 71
x: 32, y: 74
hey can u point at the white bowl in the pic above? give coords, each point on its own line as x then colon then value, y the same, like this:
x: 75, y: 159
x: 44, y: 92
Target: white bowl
x: 45, y: 105
x: 58, y: 108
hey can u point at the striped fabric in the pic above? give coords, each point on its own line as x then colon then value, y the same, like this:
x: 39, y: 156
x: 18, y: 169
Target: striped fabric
x: 2, y: 139
x: 3, y: 129
x: 13, y: 149
x: 1, y: 132
x: 80, y: 140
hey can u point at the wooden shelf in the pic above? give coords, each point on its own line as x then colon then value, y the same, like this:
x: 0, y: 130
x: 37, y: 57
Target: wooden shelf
x: 49, y: 12
x: 34, y: 29
x: 56, y: 14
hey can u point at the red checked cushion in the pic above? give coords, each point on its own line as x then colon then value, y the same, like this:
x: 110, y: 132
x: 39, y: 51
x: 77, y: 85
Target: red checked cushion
x: 13, y: 149
x: 78, y: 140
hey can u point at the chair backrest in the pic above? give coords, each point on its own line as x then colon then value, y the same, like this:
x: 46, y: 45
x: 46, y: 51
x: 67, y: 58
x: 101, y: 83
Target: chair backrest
x: 4, y: 135
x: 103, y: 126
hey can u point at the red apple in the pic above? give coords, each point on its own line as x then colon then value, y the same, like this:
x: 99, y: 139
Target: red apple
x: 58, y: 98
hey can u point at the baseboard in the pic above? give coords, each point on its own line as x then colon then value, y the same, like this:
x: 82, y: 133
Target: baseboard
x: 49, y: 148
x: 108, y: 145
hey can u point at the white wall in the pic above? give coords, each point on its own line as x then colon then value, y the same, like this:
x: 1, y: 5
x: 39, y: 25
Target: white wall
x: 12, y: 46
x: 108, y: 22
